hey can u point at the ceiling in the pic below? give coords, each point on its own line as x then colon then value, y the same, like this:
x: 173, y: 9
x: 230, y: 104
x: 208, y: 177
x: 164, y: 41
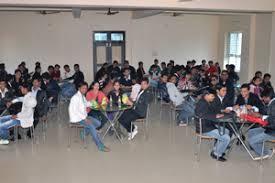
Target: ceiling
x: 197, y: 5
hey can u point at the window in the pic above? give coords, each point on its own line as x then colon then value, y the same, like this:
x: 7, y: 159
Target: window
x: 100, y: 36
x: 117, y: 37
x: 233, y: 49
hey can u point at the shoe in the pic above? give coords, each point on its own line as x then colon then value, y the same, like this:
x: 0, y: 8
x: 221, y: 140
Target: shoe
x: 4, y: 142
x: 104, y: 149
x: 182, y: 124
x: 133, y: 134
x: 221, y: 159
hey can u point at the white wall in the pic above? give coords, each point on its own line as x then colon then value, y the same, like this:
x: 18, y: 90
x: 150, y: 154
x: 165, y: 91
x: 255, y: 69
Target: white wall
x: 59, y: 38
x: 236, y: 23
x: 272, y: 49
x: 256, y: 50
x: 262, y: 40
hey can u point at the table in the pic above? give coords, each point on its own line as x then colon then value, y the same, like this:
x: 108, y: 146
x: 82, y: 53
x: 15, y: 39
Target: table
x: 232, y: 121
x: 117, y: 111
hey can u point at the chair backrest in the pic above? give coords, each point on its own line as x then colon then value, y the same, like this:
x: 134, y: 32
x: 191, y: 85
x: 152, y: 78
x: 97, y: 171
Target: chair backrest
x: 198, y: 124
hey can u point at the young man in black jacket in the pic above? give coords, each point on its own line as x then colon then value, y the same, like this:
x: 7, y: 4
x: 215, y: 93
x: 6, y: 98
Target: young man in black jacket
x: 205, y: 110
x: 138, y: 110
x: 257, y: 136
x: 221, y: 102
x: 249, y: 100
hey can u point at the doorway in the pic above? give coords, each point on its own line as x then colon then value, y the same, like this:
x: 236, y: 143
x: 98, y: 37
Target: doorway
x: 107, y: 47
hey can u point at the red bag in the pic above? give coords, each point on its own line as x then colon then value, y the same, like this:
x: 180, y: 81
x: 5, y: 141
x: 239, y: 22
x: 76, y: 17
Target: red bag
x: 254, y: 119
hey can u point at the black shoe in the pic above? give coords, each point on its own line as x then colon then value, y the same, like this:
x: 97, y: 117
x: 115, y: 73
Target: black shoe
x: 221, y: 159
x: 18, y: 138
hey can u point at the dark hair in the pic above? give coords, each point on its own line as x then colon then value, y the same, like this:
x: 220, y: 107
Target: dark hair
x: 92, y: 85
x: 245, y: 86
x: 2, y: 80
x: 187, y: 72
x: 56, y: 65
x: 115, y: 62
x: 170, y: 77
x: 255, y: 78
x: 163, y: 74
x: 163, y: 63
x: 219, y: 87
x: 17, y: 70
x: 50, y: 67
x: 82, y: 84
x: 66, y: 66
x: 116, y: 81
x: 46, y: 76
x: 258, y: 72
x: 139, y: 63
x: 76, y: 65
x: 225, y: 71
x: 156, y: 60
x: 145, y: 79
x: 209, y: 91
x: 268, y: 93
x: 267, y: 75
x: 36, y: 78
x: 23, y: 63
x: 26, y: 85
x: 126, y: 62
x: 210, y: 62
x: 37, y: 67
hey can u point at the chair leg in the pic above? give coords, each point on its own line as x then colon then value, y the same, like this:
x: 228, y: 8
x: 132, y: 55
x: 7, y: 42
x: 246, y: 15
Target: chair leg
x: 199, y: 149
x: 262, y: 154
x: 85, y: 139
x: 69, y: 138
x: 131, y: 130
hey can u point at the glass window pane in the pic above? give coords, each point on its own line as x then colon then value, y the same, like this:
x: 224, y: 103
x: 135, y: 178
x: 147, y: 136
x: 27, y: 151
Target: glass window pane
x: 100, y: 36
x: 117, y: 37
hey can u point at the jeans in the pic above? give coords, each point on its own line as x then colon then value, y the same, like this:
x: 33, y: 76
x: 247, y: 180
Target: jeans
x: 256, y: 138
x: 91, y: 129
x: 67, y: 90
x: 222, y: 143
x: 153, y: 83
x: 188, y: 110
x: 6, y: 122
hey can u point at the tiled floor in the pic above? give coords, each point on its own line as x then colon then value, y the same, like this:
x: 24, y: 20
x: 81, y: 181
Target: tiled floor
x: 167, y: 156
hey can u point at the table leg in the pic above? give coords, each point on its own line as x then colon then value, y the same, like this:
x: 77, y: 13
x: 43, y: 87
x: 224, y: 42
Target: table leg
x: 112, y: 124
x: 241, y: 140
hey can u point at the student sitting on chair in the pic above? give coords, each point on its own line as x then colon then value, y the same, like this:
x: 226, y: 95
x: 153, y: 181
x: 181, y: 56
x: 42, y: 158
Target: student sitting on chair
x: 257, y: 136
x: 23, y: 118
x: 139, y: 109
x: 205, y: 111
x: 78, y: 114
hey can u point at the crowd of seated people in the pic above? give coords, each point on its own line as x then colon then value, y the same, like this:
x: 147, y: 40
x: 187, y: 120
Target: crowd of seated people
x: 27, y: 96
x: 204, y: 90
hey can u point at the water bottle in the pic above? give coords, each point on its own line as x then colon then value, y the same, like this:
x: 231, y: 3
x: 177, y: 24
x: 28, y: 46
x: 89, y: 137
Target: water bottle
x: 119, y: 102
x: 111, y: 101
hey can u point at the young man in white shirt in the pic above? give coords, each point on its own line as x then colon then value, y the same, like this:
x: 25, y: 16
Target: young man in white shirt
x: 23, y: 118
x: 78, y: 114
x: 187, y: 106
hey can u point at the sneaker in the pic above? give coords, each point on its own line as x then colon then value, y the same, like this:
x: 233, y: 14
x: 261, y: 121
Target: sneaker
x: 4, y: 142
x: 104, y: 149
x: 182, y: 124
x: 221, y: 159
x: 133, y: 134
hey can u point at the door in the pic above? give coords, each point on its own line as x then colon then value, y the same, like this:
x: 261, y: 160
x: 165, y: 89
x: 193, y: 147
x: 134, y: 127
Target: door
x: 108, y: 46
